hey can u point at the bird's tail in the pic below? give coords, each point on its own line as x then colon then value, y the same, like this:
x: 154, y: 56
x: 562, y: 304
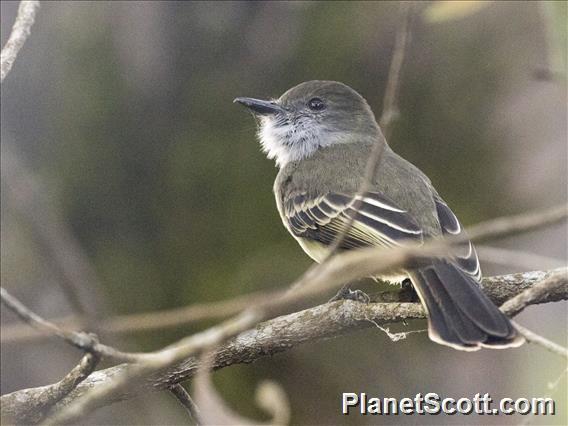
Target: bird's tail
x: 460, y: 314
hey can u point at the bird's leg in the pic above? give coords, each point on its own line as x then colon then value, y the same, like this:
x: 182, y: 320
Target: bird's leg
x: 347, y: 294
x: 408, y: 292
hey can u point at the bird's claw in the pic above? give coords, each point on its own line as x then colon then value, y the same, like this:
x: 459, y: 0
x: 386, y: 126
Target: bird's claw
x: 347, y: 294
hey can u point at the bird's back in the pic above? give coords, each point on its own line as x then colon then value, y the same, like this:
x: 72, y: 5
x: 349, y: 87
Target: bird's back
x: 395, y: 179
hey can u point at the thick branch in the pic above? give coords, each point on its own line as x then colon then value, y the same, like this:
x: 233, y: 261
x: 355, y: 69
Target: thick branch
x: 30, y: 405
x: 320, y: 322
x: 18, y: 36
x: 325, y: 276
x: 551, y: 287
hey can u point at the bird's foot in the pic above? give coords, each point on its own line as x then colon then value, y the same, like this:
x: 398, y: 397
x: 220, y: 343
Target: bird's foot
x: 347, y: 294
x: 407, y: 292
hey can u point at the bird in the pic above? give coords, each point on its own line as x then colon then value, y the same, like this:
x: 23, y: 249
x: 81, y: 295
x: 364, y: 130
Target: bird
x: 321, y: 134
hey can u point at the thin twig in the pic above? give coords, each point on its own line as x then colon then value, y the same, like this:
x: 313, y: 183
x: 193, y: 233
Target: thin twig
x: 153, y: 363
x: 328, y: 275
x: 214, y: 410
x: 390, y: 111
x: 31, y: 405
x: 532, y: 337
x: 516, y: 258
x: 557, y: 281
x: 27, y: 196
x: 81, y: 340
x: 344, y: 268
x: 390, y: 101
x: 512, y: 225
x: 20, y: 32
x: 185, y: 400
x: 141, y: 322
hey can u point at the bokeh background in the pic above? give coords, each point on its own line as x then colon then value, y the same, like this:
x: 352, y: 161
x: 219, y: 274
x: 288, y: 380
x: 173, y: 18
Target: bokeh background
x: 122, y: 112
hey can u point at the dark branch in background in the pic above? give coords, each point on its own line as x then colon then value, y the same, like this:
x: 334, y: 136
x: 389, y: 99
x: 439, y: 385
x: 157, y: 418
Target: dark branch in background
x: 286, y: 332
x: 20, y: 32
x: 554, y: 67
x: 36, y: 404
x: 26, y: 196
x: 403, y: 36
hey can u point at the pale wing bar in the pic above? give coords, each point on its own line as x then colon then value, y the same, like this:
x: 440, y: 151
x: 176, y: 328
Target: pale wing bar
x: 466, y: 255
x: 377, y: 221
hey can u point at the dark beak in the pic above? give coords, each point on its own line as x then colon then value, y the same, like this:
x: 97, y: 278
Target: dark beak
x: 259, y: 106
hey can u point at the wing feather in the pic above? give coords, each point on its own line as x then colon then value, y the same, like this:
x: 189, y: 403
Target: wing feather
x: 377, y: 221
x: 466, y: 256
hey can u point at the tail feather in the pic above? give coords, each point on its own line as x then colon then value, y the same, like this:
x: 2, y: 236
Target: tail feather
x: 460, y: 315
x: 464, y: 331
x: 466, y: 294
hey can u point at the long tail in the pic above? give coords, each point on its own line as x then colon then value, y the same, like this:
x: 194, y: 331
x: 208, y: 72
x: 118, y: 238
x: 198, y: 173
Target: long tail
x: 460, y: 315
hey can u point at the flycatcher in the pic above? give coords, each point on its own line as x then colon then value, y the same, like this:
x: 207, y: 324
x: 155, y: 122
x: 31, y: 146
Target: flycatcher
x: 321, y: 134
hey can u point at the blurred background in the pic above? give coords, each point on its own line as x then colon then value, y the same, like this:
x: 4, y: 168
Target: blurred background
x: 118, y: 118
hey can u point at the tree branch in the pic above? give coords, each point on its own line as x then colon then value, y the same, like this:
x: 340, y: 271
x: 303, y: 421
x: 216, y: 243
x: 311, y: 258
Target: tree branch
x: 340, y: 269
x: 20, y: 32
x: 29, y: 199
x: 183, y: 397
x: 31, y: 405
x: 516, y: 258
x: 328, y: 275
x: 26, y: 195
x: 552, y: 287
x: 532, y: 337
x: 81, y: 340
x: 320, y: 322
x: 388, y: 115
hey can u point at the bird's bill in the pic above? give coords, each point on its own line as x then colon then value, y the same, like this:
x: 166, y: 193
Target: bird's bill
x: 258, y: 106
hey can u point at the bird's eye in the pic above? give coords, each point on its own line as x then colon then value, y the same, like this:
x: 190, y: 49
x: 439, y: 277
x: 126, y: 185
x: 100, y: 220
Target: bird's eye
x: 316, y: 104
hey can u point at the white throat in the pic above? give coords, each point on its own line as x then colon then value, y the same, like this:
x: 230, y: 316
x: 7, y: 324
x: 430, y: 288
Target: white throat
x: 285, y: 142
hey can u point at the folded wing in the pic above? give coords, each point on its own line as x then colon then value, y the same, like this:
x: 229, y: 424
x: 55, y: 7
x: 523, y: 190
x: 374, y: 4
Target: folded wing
x: 466, y: 256
x: 377, y: 221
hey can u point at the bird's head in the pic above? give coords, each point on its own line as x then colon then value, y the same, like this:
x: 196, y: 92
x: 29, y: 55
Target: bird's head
x: 310, y: 116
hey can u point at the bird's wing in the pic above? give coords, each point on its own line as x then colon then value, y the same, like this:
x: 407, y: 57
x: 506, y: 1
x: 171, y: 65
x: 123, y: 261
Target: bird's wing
x: 377, y: 221
x: 466, y: 256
